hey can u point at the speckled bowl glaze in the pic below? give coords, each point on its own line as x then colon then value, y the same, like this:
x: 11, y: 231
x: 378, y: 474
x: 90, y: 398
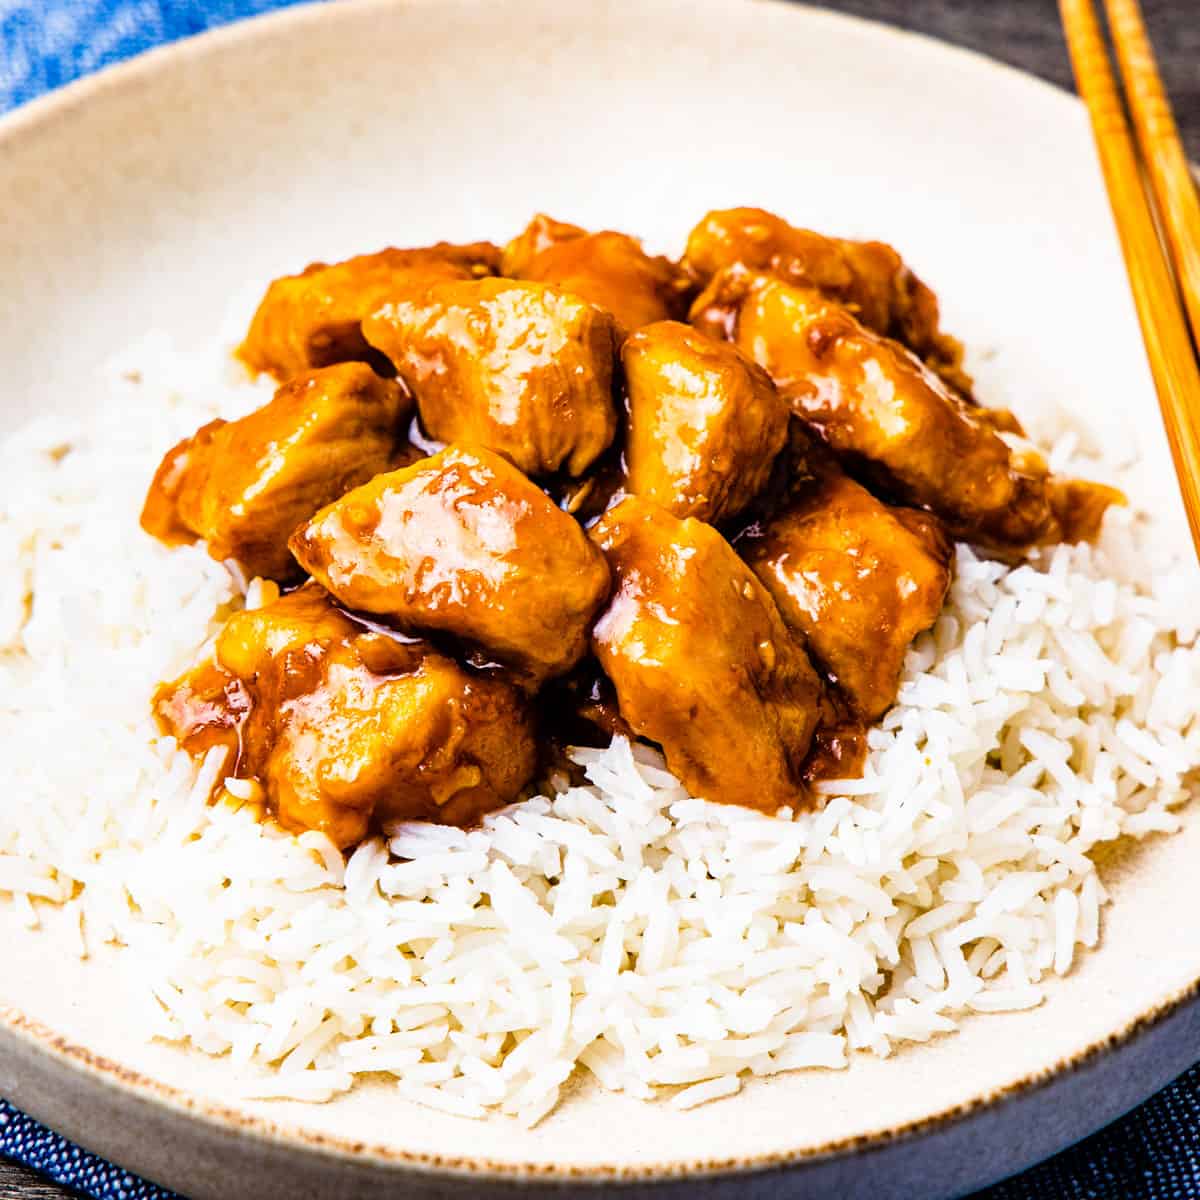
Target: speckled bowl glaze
x: 148, y: 195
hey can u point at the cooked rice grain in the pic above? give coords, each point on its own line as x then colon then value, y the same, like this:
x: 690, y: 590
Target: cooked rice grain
x: 667, y: 945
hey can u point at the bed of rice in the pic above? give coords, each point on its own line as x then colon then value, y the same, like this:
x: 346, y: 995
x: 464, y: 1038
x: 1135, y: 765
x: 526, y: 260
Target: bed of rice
x: 667, y: 945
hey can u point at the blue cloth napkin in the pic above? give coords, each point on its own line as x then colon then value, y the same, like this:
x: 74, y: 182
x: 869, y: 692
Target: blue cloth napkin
x: 46, y: 43
x: 1154, y: 1153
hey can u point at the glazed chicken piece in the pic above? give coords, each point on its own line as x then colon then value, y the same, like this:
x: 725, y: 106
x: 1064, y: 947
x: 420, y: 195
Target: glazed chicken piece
x: 463, y: 543
x: 176, y: 487
x: 870, y: 278
x: 540, y: 234
x: 882, y: 410
x: 607, y: 269
x: 314, y: 319
x: 345, y: 727
x: 244, y: 486
x: 517, y: 367
x: 705, y: 423
x: 857, y: 579
x: 701, y: 660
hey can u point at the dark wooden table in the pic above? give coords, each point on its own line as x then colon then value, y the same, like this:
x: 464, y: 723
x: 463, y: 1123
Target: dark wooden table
x: 1024, y: 33
x: 19, y: 1183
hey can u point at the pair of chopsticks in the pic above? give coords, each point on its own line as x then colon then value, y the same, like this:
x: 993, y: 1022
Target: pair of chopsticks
x: 1157, y: 187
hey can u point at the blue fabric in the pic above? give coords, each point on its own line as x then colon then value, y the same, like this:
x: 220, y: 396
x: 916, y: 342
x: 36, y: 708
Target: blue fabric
x: 23, y: 1139
x: 1153, y: 1153
x: 46, y: 43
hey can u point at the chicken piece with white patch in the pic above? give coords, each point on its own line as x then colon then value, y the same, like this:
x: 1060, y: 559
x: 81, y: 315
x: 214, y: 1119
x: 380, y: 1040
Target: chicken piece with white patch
x: 462, y: 543
x: 518, y: 367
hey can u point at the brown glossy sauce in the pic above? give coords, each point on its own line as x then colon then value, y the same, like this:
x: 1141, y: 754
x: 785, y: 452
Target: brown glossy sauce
x: 473, y: 657
x: 1079, y: 506
x: 581, y: 708
x: 206, y: 708
x: 797, y: 467
x: 588, y: 498
x: 839, y: 746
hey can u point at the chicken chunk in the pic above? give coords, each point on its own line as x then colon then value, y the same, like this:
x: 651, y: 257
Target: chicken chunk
x: 345, y: 727
x: 175, y: 487
x: 857, y: 579
x: 881, y: 409
x: 245, y: 485
x: 314, y: 319
x: 705, y: 423
x: 607, y: 269
x: 868, y: 277
x: 701, y: 660
x: 517, y: 367
x: 540, y: 234
x: 463, y: 543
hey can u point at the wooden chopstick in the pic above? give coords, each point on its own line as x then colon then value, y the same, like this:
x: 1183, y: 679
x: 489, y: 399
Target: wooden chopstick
x: 1162, y: 151
x: 1160, y: 312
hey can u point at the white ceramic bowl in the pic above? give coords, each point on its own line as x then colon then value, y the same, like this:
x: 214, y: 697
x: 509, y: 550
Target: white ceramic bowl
x: 147, y: 195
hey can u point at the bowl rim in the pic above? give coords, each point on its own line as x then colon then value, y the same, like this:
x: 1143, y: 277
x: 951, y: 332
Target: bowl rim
x: 33, y: 118
x: 138, y: 1085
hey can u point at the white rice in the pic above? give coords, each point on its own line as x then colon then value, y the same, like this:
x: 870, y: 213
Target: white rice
x: 669, y: 946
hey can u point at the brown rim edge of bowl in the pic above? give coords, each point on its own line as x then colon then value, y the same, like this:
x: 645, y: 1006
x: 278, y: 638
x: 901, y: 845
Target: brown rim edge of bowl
x: 144, y: 1087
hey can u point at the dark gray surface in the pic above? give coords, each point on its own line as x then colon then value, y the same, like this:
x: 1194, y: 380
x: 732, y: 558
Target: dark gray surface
x: 1024, y: 33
